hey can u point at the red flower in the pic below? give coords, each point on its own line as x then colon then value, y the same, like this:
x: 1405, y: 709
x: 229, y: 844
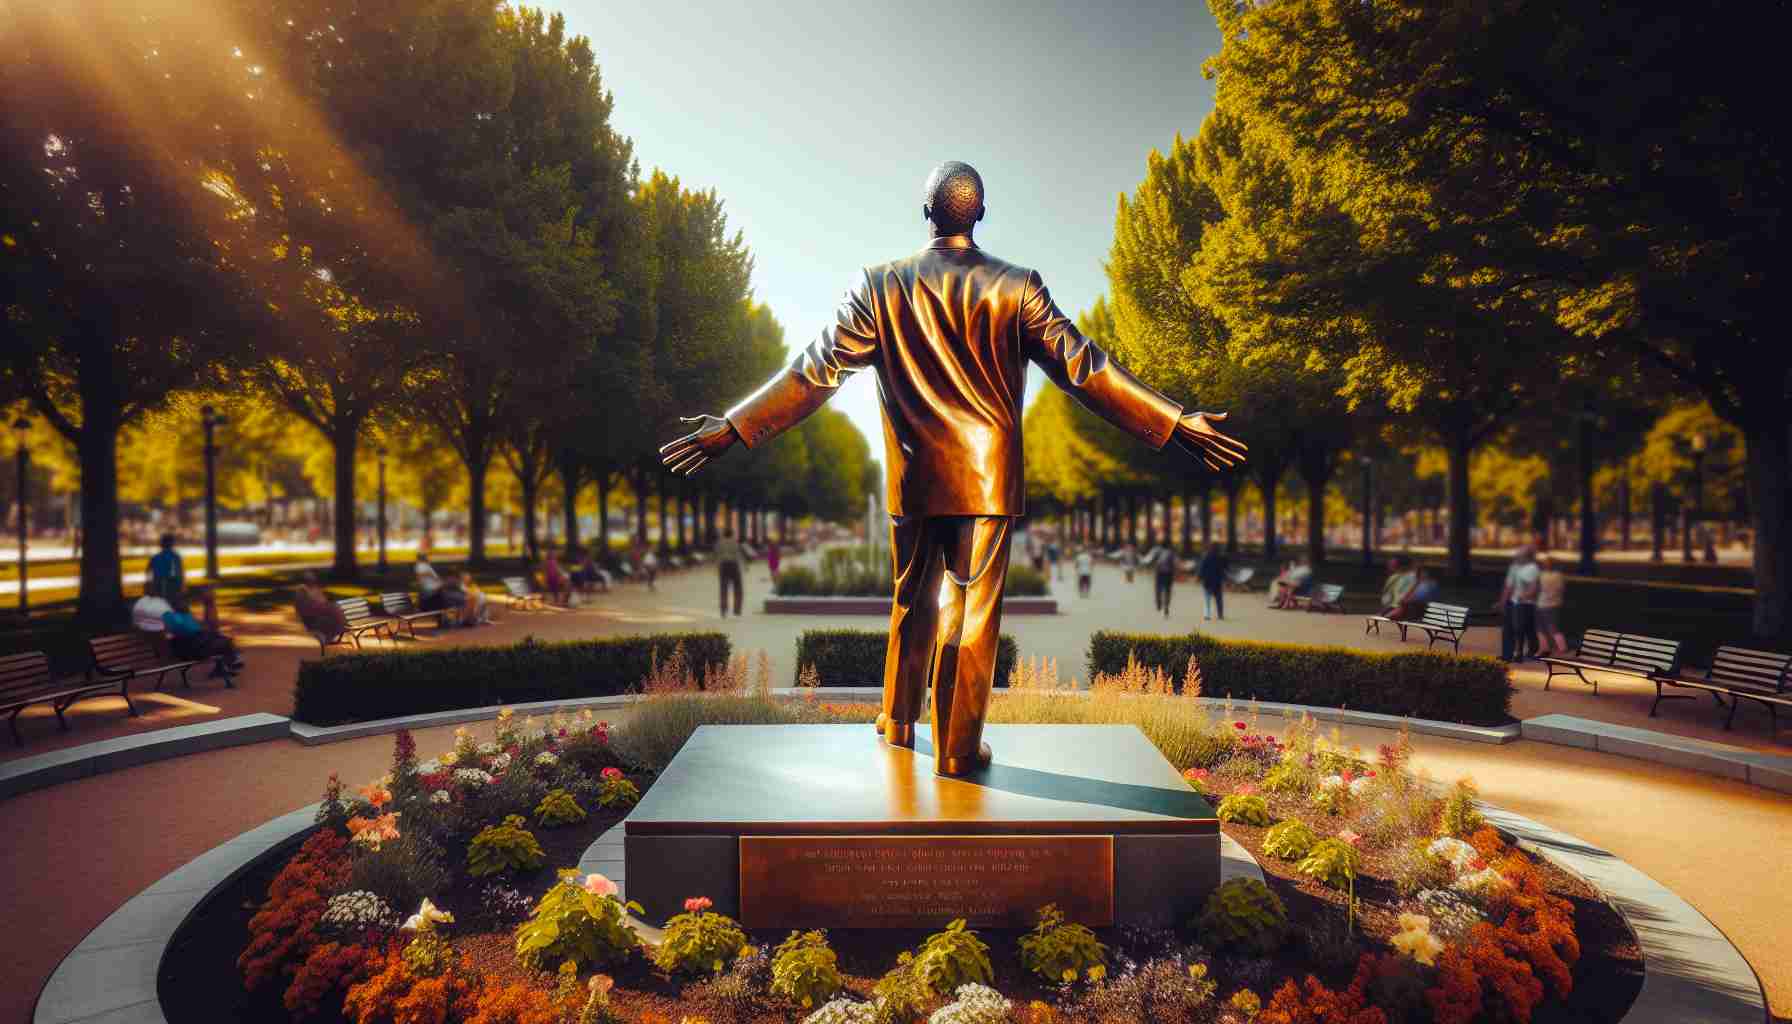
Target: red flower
x: 1369, y: 774
x: 612, y: 773
x: 1238, y: 725
x: 697, y: 904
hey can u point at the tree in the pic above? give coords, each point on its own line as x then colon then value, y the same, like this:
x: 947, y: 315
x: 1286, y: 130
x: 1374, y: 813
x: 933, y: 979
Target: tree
x: 114, y: 291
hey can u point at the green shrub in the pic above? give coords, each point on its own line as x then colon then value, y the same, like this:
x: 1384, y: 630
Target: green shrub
x: 798, y: 581
x: 504, y: 847
x: 360, y: 687
x: 1059, y: 951
x: 1289, y: 776
x: 1459, y: 818
x: 1290, y: 840
x: 428, y: 955
x: 1413, y: 868
x: 901, y: 994
x: 1245, y: 810
x: 805, y: 969
x: 1243, y: 915
x: 844, y: 572
x: 855, y: 657
x: 951, y: 958
x: 698, y: 941
x: 403, y: 873
x: 616, y: 791
x: 1419, y: 684
x: 1331, y: 861
x: 1025, y: 581
x: 558, y: 808
x: 573, y: 924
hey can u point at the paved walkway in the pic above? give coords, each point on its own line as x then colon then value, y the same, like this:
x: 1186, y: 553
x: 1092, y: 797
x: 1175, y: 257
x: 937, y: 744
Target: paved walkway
x: 81, y: 849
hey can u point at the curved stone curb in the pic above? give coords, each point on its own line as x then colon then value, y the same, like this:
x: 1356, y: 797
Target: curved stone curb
x: 315, y: 735
x: 110, y: 978
x: 97, y: 758
x: 1769, y: 771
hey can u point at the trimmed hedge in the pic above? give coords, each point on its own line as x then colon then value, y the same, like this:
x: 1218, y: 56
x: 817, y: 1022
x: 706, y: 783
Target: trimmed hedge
x: 362, y: 687
x: 1472, y: 690
x: 855, y: 657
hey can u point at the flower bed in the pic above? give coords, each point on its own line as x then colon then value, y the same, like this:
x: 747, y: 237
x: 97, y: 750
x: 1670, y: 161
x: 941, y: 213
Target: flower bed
x: 436, y: 893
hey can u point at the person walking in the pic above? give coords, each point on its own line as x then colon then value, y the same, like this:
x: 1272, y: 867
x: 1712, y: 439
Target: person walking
x: 1551, y: 585
x: 1212, y: 572
x: 1129, y: 559
x: 772, y: 557
x: 1518, y: 603
x: 1085, y: 572
x: 728, y: 560
x: 1163, y: 576
x: 167, y: 575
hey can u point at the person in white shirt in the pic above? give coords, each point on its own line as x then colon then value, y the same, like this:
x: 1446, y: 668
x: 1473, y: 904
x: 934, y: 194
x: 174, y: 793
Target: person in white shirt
x: 1518, y: 603
x: 147, y: 612
x: 429, y: 586
x: 1085, y: 572
x: 1551, y: 585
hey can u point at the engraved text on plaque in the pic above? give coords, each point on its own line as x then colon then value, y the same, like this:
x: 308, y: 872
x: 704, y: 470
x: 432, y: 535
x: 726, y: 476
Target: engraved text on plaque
x: 923, y: 881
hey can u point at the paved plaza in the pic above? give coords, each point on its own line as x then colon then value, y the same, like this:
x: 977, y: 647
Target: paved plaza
x: 89, y: 845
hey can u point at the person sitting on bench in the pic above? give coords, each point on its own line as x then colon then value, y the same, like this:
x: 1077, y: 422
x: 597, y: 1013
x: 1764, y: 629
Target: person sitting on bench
x: 1296, y: 579
x: 316, y: 611
x: 1396, y: 593
x: 430, y: 596
x: 190, y: 640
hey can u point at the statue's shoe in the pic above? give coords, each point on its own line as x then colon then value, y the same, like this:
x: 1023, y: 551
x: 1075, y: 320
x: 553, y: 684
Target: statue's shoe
x: 959, y: 766
x: 896, y: 734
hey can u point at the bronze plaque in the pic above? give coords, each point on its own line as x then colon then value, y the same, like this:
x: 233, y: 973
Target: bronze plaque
x: 923, y: 881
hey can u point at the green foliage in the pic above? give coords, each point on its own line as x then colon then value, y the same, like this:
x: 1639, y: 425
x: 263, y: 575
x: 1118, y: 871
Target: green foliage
x: 1290, y: 775
x: 699, y: 942
x: 1413, y: 868
x: 805, y: 969
x: 504, y: 847
x: 1459, y: 818
x: 617, y: 792
x: 950, y: 958
x: 1331, y: 861
x: 360, y: 687
x: 1025, y: 581
x: 1243, y: 915
x: 901, y: 995
x: 558, y: 808
x: 844, y: 572
x: 1060, y: 951
x: 428, y: 955
x: 571, y: 924
x: 1245, y: 809
x: 402, y: 872
x: 1289, y: 840
x: 855, y: 657
x: 1417, y: 684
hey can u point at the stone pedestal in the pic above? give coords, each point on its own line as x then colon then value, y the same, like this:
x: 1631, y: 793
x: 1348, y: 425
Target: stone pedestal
x: 825, y: 826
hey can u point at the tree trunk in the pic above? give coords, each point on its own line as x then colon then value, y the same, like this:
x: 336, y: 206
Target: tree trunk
x: 1457, y: 450
x: 1624, y: 509
x: 710, y: 505
x: 1589, y: 532
x: 1316, y: 471
x: 640, y: 482
x: 1231, y: 514
x: 102, y: 603
x: 603, y: 514
x: 345, y: 437
x: 678, y: 505
x: 531, y: 547
x: 1368, y: 513
x: 1769, y: 454
x: 665, y: 534
x: 569, y: 500
x: 1269, y: 519
x: 1188, y: 522
x: 1658, y: 520
x: 1207, y: 516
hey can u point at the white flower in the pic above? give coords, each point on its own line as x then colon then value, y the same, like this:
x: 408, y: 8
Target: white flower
x: 843, y: 1011
x: 472, y: 776
x: 1480, y: 884
x: 429, y: 767
x: 498, y: 763
x: 976, y: 1004
x: 1331, y: 782
x: 440, y: 796
x: 488, y: 748
x: 1360, y: 785
x: 1458, y: 853
x: 427, y: 917
x: 358, y: 909
x: 1415, y: 939
x: 547, y: 759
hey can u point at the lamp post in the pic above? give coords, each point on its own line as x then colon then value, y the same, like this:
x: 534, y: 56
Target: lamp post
x: 21, y: 428
x: 381, y: 521
x: 212, y: 421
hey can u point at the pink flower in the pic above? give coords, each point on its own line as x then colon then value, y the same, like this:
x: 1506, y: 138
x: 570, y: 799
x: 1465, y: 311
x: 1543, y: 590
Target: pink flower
x: 1245, y: 789
x: 612, y: 773
x: 598, y: 885
x: 1195, y: 773
x: 1346, y: 775
x: 1350, y: 837
x: 697, y: 904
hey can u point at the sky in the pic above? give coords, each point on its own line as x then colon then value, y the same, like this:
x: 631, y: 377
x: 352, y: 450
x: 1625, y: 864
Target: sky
x: 818, y: 122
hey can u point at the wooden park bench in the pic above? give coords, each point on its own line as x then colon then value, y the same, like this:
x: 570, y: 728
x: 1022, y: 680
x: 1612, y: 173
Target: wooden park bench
x: 360, y: 619
x: 1764, y: 677
x: 398, y: 606
x: 1324, y: 597
x: 25, y: 679
x: 123, y: 657
x: 1439, y: 621
x: 516, y: 588
x: 1625, y: 654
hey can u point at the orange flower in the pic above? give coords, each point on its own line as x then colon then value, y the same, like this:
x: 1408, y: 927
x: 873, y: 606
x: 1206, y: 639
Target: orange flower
x: 371, y: 832
x: 376, y: 795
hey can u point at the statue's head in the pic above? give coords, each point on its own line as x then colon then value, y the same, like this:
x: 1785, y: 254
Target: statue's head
x: 953, y: 198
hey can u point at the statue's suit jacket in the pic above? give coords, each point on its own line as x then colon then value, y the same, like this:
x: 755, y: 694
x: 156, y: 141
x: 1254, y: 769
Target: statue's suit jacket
x: 949, y: 331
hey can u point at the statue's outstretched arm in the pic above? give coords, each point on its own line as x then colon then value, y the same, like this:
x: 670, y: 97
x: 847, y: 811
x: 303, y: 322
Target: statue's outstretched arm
x: 799, y: 389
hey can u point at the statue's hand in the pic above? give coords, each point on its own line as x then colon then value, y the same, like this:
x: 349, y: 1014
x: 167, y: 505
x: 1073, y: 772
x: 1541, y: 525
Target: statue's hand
x: 1197, y: 436
x: 713, y: 436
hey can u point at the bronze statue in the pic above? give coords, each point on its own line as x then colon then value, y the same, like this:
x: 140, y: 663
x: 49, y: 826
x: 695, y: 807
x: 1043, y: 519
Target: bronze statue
x: 948, y: 331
